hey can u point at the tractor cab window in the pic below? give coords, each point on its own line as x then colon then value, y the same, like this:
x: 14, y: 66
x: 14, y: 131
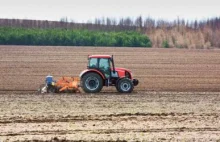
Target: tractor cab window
x: 93, y: 63
x: 104, y: 66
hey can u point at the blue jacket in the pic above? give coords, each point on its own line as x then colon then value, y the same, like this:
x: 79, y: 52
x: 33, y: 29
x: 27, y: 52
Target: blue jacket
x: 49, y: 79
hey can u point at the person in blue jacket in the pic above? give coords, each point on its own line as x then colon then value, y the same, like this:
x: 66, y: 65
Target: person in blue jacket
x: 49, y: 81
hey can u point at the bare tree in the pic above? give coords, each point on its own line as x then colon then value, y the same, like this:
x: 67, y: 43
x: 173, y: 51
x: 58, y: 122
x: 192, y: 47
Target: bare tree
x: 121, y: 22
x: 195, y: 24
x: 64, y: 19
x: 103, y: 21
x: 149, y: 23
x: 139, y: 22
x: 114, y: 21
x: 128, y: 22
x: 97, y: 21
x: 108, y: 21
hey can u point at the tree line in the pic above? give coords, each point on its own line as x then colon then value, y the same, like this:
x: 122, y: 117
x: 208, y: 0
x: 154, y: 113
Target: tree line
x: 178, y: 33
x: 63, y: 37
x: 114, y: 24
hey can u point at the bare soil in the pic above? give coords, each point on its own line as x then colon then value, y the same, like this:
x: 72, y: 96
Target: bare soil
x: 25, y: 67
x: 178, y: 98
x: 151, y: 116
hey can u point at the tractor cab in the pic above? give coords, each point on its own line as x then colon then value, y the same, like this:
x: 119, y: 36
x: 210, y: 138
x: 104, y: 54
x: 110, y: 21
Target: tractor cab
x: 102, y: 72
x: 102, y: 63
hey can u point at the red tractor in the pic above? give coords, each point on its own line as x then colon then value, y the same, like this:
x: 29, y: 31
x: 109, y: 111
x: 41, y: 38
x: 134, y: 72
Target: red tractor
x: 101, y: 72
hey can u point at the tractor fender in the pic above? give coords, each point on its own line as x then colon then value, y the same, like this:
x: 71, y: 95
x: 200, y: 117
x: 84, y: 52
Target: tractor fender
x: 91, y: 70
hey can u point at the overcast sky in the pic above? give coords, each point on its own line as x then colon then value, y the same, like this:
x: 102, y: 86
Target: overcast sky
x: 84, y: 10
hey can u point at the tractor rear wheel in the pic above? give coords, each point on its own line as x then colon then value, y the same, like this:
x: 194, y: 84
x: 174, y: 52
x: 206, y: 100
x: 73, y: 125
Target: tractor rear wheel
x: 92, y: 83
x: 125, y: 85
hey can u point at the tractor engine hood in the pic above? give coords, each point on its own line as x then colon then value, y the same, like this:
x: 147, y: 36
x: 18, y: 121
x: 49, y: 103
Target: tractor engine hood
x: 122, y: 69
x: 122, y: 72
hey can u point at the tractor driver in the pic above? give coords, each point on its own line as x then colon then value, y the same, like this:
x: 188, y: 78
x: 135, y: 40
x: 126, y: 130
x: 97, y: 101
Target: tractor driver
x: 49, y: 81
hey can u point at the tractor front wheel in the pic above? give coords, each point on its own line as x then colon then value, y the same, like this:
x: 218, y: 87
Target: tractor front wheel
x: 125, y: 85
x: 92, y: 83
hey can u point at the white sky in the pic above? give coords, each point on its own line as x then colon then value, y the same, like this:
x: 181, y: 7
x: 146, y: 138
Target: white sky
x: 84, y: 10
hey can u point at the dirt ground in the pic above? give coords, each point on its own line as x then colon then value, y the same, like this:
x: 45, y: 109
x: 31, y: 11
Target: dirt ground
x: 178, y: 98
x: 151, y: 116
x: 25, y: 68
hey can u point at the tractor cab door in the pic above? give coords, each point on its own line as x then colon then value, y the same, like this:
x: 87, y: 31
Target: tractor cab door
x: 114, y: 73
x: 104, y: 67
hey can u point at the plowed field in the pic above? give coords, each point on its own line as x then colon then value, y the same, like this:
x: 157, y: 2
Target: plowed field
x: 177, y: 99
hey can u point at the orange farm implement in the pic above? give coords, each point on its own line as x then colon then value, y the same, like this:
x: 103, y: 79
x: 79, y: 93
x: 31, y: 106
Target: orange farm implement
x: 62, y: 85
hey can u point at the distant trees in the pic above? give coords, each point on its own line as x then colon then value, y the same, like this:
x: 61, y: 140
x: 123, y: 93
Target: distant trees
x: 179, y: 33
x: 64, y: 19
x: 111, y: 23
x: 186, y: 34
x: 24, y: 36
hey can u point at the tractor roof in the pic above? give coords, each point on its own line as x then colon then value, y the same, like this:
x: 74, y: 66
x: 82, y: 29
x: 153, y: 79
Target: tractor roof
x: 100, y: 56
